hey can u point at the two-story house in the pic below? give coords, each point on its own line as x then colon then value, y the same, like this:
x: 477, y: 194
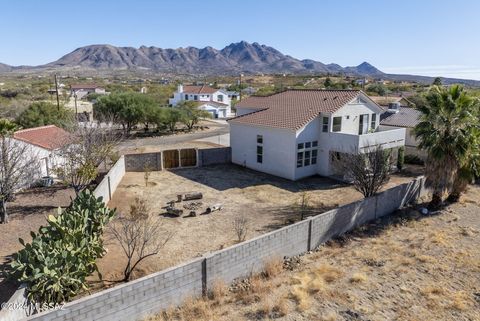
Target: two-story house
x: 299, y: 133
x: 215, y: 101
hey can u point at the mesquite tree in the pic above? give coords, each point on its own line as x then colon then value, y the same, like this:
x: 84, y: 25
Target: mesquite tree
x: 89, y: 146
x: 140, y: 235
x: 368, y: 171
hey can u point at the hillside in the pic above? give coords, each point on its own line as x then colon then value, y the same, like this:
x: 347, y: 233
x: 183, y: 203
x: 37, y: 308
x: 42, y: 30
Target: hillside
x: 240, y: 57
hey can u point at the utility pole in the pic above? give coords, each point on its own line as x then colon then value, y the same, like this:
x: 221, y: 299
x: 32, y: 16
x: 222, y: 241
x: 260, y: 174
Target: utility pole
x: 56, y: 90
x: 240, y: 88
x: 76, y: 109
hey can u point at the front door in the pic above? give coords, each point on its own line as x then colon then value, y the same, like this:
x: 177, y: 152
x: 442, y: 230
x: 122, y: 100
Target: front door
x: 363, y: 125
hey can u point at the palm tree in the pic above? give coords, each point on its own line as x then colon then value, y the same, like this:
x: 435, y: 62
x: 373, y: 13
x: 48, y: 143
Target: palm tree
x: 446, y: 131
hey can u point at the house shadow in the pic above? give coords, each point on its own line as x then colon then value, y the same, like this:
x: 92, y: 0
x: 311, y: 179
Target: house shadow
x: 227, y: 176
x: 20, y: 212
x: 7, y: 286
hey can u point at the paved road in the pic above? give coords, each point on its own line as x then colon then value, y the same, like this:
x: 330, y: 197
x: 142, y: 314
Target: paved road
x: 216, y: 128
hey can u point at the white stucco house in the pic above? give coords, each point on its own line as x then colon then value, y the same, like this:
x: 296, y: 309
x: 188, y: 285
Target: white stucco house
x: 215, y: 101
x: 408, y: 118
x: 43, y: 143
x: 300, y: 133
x: 81, y: 90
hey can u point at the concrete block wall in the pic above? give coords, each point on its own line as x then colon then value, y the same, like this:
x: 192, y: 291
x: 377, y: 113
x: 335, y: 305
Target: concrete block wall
x: 214, y: 156
x: 138, y: 162
x: 249, y: 257
x: 110, y: 181
x: 136, y: 299
x: 153, y: 293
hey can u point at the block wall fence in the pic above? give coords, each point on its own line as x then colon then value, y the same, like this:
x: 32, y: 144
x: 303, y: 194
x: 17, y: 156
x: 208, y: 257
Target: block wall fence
x: 145, y: 296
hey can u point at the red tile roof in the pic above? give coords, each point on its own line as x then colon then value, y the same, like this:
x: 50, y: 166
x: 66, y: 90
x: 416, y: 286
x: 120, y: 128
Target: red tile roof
x: 49, y: 137
x: 293, y: 109
x: 199, y: 89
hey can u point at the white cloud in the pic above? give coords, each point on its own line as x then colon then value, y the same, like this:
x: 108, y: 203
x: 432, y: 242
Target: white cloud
x: 453, y: 71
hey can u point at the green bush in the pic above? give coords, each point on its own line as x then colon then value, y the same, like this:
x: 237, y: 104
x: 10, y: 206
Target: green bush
x: 43, y: 113
x: 401, y: 158
x: 62, y: 254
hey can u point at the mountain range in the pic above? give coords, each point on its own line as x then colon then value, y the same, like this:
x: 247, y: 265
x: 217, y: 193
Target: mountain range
x: 240, y: 57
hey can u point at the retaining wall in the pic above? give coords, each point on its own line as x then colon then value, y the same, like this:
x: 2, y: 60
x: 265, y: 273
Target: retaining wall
x: 213, y: 156
x: 134, y: 300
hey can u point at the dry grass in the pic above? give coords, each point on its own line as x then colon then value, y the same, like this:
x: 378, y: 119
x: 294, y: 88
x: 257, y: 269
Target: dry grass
x: 273, y: 267
x: 358, y: 278
x: 405, y: 271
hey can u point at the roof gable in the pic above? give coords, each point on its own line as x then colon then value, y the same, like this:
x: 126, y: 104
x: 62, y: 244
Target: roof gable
x: 293, y: 109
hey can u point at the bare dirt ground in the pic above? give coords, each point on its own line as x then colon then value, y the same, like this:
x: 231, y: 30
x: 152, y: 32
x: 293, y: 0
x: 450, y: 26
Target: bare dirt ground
x: 407, y: 267
x: 266, y: 201
x: 27, y: 213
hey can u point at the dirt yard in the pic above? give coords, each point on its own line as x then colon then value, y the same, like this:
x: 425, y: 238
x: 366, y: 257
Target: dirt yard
x: 266, y: 201
x: 406, y: 267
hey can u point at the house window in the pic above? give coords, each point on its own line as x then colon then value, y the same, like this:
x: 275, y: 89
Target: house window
x: 195, y: 97
x: 299, y: 159
x: 337, y: 124
x: 314, y: 156
x: 374, y: 121
x: 307, y: 154
x: 325, y: 124
x: 220, y: 97
x: 259, y: 149
x: 306, y: 161
x: 186, y: 97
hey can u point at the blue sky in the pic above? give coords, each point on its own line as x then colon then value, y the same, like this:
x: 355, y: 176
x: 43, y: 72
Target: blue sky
x: 425, y: 37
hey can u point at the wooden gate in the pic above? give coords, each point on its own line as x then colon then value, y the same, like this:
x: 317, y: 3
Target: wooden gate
x: 170, y: 158
x: 188, y: 157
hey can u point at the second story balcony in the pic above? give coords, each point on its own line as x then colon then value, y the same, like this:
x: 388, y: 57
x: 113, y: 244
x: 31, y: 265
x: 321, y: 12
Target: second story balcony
x: 349, y: 143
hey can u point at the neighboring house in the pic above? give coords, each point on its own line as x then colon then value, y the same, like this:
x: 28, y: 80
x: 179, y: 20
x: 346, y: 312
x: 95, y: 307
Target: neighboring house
x: 44, y: 142
x: 81, y: 90
x: 233, y: 95
x: 392, y: 101
x: 407, y: 118
x: 215, y: 101
x: 299, y: 133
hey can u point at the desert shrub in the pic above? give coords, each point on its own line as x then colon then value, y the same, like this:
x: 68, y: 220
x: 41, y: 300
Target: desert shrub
x: 62, y: 254
x: 401, y: 158
x: 240, y: 227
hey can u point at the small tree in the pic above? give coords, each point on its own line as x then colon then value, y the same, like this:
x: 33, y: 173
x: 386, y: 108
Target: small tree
x: 88, y: 147
x: 304, y: 205
x: 368, y: 171
x: 43, y: 113
x: 190, y: 114
x: 437, y: 81
x: 240, y: 226
x: 172, y: 117
x: 140, y: 235
x: 401, y: 158
x: 147, y: 171
x: 328, y: 82
x: 18, y: 166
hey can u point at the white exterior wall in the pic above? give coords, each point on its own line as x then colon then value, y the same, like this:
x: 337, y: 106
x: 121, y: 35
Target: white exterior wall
x: 309, y: 133
x: 221, y: 112
x: 353, y: 111
x: 278, y: 149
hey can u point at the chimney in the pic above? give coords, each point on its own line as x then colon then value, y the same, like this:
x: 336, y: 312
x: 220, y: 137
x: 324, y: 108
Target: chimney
x: 180, y: 88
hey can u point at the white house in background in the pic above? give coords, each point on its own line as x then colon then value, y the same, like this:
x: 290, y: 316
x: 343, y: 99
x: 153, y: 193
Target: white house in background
x: 81, y: 90
x: 215, y: 101
x: 408, y: 118
x: 44, y: 142
x: 299, y: 133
